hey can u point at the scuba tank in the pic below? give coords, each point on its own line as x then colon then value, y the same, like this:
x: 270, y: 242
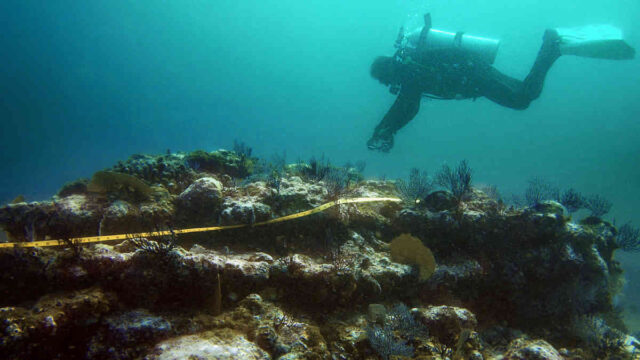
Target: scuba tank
x: 427, y: 38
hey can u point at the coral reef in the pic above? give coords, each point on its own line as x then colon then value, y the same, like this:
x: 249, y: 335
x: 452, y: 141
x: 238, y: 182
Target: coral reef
x: 491, y: 282
x: 170, y: 170
x: 229, y: 162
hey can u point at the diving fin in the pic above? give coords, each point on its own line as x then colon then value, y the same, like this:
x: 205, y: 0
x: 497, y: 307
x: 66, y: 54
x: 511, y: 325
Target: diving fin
x: 595, y: 41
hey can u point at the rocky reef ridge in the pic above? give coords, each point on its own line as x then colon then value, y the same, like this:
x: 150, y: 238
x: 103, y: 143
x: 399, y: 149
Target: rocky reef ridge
x: 509, y: 283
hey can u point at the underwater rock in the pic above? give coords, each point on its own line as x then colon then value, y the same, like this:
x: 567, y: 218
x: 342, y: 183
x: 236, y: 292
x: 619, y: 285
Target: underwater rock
x: 297, y: 195
x: 245, y: 210
x: 530, y: 270
x: 266, y: 328
x: 202, y: 190
x: 75, y: 214
x: 454, y: 275
x: 137, y: 326
x: 376, y: 188
x: 26, y: 221
x: 519, y: 252
x: 210, y: 345
x: 483, y: 201
x: 377, y: 313
x: 127, y: 335
x: 81, y: 215
x: 119, y: 217
x: 200, y: 203
x: 74, y: 187
x: 45, y: 330
x: 550, y: 207
x: 24, y: 275
x: 312, y: 283
x: 373, y: 215
x: 169, y: 170
x: 221, y: 161
x: 523, y: 349
x: 322, y: 283
x: 446, y: 322
x: 631, y: 345
x: 71, y: 216
x: 282, y: 334
x: 258, y: 189
x: 440, y: 201
x: 158, y: 212
x: 346, y: 336
x: 237, y: 269
x: 360, y: 275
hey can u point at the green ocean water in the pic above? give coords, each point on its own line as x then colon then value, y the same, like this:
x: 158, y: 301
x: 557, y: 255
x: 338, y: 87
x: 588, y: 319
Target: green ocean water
x: 84, y: 84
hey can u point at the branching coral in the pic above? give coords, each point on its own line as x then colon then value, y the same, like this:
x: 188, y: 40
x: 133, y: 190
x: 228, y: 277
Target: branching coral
x: 628, y: 238
x: 598, y: 205
x: 457, y: 180
x: 384, y: 342
x: 540, y: 190
x: 572, y: 200
x: 416, y: 188
x: 399, y: 326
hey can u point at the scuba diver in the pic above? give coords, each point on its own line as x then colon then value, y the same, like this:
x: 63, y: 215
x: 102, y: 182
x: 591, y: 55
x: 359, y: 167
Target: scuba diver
x: 443, y: 65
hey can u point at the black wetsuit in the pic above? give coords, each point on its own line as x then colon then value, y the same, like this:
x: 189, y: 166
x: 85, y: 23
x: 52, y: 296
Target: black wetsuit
x: 456, y: 74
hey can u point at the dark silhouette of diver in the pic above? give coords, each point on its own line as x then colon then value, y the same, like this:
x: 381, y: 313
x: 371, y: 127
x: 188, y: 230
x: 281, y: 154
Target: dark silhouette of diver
x: 452, y: 73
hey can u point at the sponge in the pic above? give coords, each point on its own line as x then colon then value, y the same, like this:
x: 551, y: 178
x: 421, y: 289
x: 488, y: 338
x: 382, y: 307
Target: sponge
x: 408, y: 249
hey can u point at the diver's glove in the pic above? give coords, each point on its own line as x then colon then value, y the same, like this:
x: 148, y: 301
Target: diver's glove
x: 380, y: 142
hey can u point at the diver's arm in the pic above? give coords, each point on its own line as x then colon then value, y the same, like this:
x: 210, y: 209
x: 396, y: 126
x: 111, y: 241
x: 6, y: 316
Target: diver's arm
x: 403, y: 110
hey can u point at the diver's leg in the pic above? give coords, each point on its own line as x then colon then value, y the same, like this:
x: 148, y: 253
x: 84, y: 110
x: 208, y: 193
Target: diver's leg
x: 502, y: 89
x: 548, y: 54
x: 514, y: 93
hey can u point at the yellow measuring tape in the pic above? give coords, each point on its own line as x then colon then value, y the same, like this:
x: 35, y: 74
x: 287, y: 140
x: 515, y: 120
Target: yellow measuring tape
x: 93, y: 239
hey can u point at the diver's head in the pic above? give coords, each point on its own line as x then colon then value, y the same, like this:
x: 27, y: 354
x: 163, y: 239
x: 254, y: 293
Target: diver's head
x: 385, y: 69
